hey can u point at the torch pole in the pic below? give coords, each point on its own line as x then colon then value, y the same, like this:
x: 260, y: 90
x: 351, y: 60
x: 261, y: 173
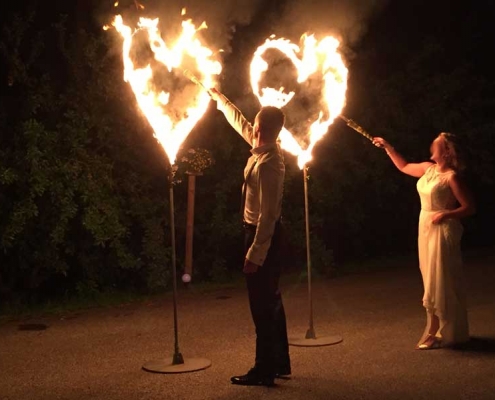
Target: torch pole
x: 310, y: 334
x: 188, y: 260
x: 176, y: 364
x: 177, y: 358
x: 359, y: 129
x: 310, y: 339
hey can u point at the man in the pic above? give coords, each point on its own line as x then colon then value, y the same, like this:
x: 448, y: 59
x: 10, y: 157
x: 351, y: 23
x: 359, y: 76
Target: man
x: 261, y: 208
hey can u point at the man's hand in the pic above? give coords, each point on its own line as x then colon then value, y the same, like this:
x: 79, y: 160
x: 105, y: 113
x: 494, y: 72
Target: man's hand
x: 214, y: 94
x: 250, y: 267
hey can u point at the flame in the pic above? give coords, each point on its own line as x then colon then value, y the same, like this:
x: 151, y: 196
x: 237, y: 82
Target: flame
x: 170, y: 124
x: 316, y: 56
x: 138, y: 5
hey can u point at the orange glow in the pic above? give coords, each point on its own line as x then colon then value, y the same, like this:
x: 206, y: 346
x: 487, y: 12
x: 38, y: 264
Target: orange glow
x: 138, y: 5
x: 172, y: 115
x: 315, y: 56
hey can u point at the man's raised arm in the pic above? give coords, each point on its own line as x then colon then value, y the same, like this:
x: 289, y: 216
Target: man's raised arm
x: 233, y: 115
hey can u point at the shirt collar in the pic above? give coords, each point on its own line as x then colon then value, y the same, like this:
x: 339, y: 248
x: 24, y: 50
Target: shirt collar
x: 263, y: 149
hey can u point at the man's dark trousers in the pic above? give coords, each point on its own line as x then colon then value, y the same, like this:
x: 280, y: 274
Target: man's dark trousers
x: 267, y: 310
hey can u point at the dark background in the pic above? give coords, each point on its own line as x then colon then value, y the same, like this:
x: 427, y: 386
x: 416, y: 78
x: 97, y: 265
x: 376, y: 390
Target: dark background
x: 83, y: 183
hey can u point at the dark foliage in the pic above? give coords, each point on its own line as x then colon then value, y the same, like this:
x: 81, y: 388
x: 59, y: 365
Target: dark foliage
x: 84, y: 185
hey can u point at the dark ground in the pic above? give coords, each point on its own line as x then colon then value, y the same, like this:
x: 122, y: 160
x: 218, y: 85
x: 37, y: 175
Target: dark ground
x: 98, y: 354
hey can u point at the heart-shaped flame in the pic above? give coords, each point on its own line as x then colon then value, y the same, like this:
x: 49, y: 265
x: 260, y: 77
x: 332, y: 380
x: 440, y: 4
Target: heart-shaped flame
x: 172, y: 115
x: 317, y: 56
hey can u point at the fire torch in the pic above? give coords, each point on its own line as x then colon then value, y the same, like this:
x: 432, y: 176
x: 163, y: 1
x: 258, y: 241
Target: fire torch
x: 189, y: 75
x: 352, y: 124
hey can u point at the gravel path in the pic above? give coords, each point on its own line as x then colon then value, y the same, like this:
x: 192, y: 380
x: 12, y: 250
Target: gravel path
x: 98, y: 354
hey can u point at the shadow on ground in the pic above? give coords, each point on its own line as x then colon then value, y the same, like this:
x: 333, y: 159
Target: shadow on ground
x: 478, y: 344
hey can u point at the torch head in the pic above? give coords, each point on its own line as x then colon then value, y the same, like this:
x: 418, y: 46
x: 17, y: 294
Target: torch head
x: 189, y: 75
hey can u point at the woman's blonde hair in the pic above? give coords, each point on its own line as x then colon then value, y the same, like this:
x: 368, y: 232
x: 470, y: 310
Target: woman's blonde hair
x: 453, y: 155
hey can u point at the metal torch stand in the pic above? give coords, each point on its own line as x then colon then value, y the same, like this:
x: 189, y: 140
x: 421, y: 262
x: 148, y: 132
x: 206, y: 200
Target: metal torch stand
x: 175, y: 364
x: 311, y: 340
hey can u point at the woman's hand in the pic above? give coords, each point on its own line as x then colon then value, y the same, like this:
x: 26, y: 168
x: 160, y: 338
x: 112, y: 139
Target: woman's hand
x: 381, y: 142
x: 438, y: 218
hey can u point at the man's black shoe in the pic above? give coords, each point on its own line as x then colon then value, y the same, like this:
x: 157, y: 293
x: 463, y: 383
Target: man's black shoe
x: 283, y: 373
x: 251, y: 379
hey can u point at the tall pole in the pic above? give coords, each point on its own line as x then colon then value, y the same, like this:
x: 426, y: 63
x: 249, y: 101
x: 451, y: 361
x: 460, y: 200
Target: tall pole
x: 176, y: 364
x: 310, y: 339
x: 310, y: 334
x: 177, y: 358
x: 191, y: 191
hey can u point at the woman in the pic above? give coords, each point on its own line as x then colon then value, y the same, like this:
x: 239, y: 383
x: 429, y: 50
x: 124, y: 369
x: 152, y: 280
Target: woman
x: 444, y: 201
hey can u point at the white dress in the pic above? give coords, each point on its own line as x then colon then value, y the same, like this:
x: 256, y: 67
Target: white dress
x: 440, y: 260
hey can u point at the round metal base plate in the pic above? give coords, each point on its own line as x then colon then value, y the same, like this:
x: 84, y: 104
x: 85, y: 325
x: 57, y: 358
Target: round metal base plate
x: 167, y: 367
x: 316, y: 342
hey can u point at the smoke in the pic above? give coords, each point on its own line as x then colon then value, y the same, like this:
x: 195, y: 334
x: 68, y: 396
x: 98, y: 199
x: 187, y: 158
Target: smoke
x: 221, y: 16
x: 347, y: 20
